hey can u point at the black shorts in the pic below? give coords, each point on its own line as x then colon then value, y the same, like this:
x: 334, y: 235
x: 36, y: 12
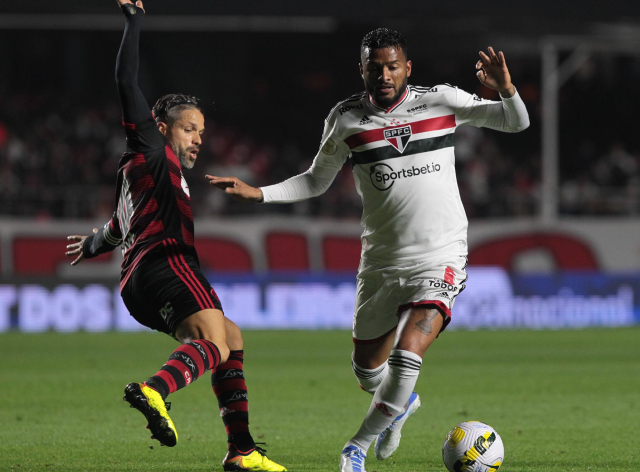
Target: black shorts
x: 165, y: 289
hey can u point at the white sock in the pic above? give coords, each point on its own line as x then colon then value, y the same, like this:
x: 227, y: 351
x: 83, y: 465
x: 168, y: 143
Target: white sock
x: 390, y: 398
x: 369, y: 379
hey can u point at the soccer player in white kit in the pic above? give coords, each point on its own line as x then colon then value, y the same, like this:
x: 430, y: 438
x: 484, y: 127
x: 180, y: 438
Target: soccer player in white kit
x: 398, y: 138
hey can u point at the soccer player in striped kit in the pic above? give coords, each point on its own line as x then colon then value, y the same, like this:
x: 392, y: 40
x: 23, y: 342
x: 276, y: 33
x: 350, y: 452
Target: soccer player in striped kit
x: 161, y: 282
x: 398, y: 138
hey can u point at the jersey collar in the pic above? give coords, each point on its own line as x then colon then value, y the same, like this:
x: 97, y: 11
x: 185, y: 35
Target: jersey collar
x: 392, y: 107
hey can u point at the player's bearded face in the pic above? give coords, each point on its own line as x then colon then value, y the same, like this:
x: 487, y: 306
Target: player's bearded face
x: 185, y: 137
x: 385, y: 72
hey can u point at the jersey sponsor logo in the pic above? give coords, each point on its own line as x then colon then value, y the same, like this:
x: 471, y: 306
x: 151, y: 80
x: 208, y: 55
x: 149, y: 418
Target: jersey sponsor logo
x: 417, y: 110
x: 423, y: 90
x: 365, y: 120
x: 383, y: 176
x: 329, y: 147
x: 348, y: 108
x: 439, y: 283
x: 398, y: 137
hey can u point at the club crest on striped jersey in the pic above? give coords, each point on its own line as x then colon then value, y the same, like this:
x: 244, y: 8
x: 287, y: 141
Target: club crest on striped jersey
x: 398, y: 137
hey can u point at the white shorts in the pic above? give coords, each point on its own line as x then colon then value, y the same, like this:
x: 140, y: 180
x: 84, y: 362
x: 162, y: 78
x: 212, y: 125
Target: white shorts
x: 385, y: 292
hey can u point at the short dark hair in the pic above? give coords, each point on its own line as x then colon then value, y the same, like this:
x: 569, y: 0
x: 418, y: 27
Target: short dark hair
x: 168, y: 108
x: 384, y: 38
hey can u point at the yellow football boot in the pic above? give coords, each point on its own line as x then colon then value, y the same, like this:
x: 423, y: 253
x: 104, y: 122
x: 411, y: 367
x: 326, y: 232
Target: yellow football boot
x: 255, y: 460
x: 150, y: 403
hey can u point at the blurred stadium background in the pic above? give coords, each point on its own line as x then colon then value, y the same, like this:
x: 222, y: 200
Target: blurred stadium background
x: 555, y: 210
x: 554, y: 230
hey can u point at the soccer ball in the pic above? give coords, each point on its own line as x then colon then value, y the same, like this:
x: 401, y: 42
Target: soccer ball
x: 473, y: 446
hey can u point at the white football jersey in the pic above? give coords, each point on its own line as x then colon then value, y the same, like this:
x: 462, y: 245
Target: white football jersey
x: 403, y: 164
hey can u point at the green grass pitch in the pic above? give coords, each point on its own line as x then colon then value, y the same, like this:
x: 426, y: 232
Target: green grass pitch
x: 561, y: 400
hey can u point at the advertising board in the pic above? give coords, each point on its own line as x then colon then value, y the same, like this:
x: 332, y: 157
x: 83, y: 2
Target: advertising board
x: 492, y: 299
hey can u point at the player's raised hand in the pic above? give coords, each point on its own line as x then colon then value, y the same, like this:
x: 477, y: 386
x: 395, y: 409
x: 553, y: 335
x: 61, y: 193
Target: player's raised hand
x: 123, y: 2
x: 75, y: 249
x: 493, y: 72
x: 236, y: 188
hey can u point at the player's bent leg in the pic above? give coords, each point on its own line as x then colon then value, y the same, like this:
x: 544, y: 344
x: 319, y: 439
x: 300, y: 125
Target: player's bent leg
x: 230, y: 389
x: 229, y: 386
x: 369, y: 361
x: 204, y: 346
x: 417, y: 330
x: 207, y: 324
x: 233, y: 335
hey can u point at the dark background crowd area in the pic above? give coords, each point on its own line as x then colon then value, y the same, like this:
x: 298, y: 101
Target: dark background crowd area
x: 265, y: 100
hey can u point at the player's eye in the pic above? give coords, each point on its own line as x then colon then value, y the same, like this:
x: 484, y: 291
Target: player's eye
x: 188, y: 130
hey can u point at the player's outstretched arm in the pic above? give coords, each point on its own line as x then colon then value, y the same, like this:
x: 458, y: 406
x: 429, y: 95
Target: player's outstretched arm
x: 134, y: 106
x: 493, y: 73
x: 236, y: 188
x: 103, y: 239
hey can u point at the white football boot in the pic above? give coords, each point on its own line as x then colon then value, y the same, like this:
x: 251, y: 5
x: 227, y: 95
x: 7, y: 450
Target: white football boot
x: 352, y: 459
x: 388, y: 441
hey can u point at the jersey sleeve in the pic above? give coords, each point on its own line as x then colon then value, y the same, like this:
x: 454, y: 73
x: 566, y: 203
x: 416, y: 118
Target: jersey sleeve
x: 106, y: 239
x: 509, y: 114
x: 140, y: 127
x: 143, y: 136
x: 318, y: 178
x: 333, y: 152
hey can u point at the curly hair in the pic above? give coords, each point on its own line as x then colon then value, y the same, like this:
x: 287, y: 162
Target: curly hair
x: 168, y: 108
x: 384, y: 38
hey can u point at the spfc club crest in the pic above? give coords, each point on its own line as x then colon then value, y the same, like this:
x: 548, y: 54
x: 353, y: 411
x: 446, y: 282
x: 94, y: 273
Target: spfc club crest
x: 398, y: 137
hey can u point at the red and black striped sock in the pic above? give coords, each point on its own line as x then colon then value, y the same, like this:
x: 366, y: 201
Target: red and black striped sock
x: 229, y: 386
x: 185, y: 365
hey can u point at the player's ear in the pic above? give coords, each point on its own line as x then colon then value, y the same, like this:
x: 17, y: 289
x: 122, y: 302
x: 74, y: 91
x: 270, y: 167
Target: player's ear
x: 163, y: 127
x: 408, y: 68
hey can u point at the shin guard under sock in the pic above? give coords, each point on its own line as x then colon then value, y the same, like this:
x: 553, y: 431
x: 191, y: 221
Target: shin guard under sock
x: 185, y: 365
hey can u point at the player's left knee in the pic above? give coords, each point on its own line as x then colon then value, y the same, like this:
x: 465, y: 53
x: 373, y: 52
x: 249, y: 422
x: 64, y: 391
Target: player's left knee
x: 233, y: 335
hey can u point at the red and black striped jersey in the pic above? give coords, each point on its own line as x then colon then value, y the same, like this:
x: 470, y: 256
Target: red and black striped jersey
x: 152, y: 197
